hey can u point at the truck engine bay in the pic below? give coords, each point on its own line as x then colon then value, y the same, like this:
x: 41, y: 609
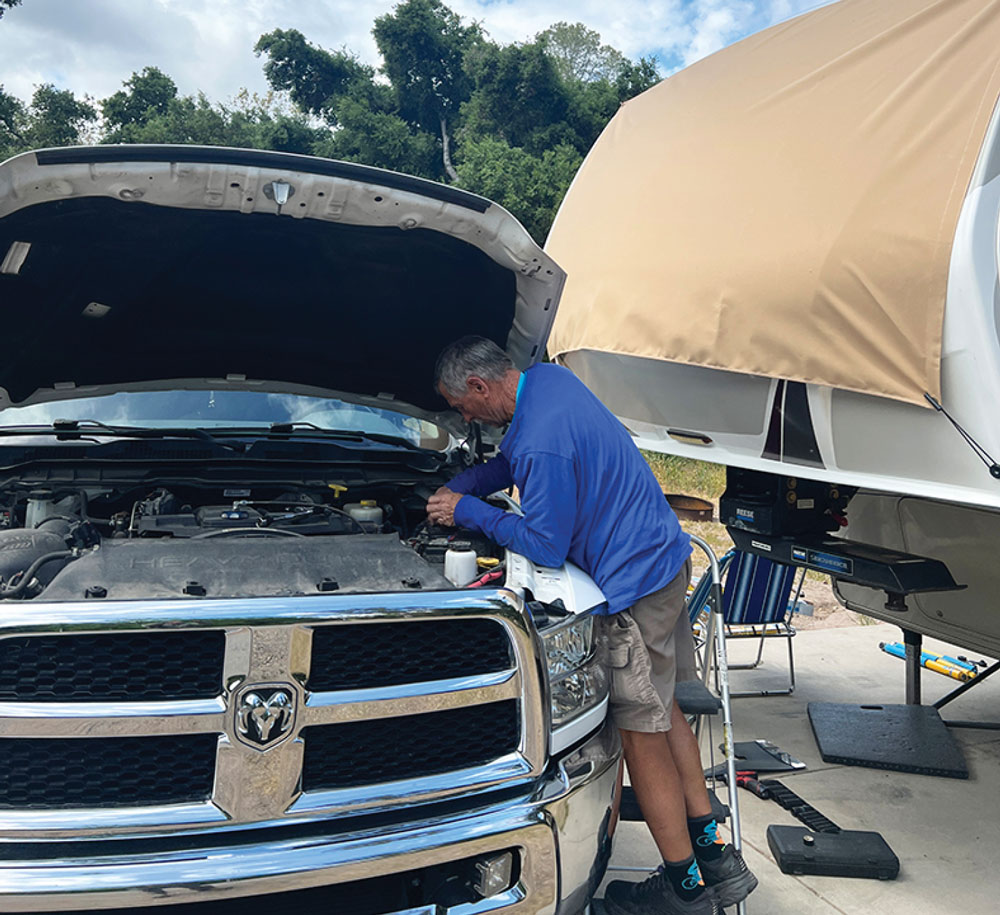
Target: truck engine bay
x: 181, y: 540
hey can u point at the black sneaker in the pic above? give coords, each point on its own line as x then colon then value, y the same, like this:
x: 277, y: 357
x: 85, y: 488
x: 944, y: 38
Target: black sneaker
x: 655, y: 896
x: 728, y: 877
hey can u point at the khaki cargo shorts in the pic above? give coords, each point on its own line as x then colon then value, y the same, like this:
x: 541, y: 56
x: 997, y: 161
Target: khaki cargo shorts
x: 646, y: 649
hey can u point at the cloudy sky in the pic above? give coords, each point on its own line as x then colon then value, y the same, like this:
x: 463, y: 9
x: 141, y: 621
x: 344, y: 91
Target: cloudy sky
x: 91, y: 46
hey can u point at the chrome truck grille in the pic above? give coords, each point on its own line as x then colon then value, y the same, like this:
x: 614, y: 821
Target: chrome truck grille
x: 118, y: 771
x: 414, y: 745
x: 124, y: 665
x: 146, y: 717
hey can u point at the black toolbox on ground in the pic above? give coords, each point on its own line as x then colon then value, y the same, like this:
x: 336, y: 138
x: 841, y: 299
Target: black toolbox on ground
x: 848, y: 853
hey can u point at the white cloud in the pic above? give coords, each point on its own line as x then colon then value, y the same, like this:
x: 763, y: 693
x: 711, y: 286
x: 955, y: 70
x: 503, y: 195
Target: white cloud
x: 634, y: 27
x: 92, y: 46
x: 717, y: 23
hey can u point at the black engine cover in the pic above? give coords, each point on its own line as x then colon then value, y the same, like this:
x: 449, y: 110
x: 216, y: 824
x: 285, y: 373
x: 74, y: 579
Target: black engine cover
x: 245, y: 566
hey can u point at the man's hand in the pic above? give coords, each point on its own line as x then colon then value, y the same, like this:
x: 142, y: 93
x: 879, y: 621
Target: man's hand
x: 441, y: 506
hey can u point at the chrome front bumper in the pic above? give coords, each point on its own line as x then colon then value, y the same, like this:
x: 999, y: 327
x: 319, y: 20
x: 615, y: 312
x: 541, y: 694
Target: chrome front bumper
x: 559, y: 831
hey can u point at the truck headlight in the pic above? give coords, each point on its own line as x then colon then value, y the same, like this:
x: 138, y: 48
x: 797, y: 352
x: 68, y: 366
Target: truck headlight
x: 578, y: 692
x: 578, y: 683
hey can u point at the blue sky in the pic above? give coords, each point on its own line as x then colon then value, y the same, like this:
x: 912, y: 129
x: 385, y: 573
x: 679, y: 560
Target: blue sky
x: 92, y: 46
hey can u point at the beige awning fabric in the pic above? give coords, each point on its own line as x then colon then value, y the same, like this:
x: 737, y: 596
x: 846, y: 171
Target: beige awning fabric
x: 786, y: 207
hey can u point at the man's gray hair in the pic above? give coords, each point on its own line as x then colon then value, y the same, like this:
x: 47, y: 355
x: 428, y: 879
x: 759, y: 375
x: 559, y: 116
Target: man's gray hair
x: 469, y: 356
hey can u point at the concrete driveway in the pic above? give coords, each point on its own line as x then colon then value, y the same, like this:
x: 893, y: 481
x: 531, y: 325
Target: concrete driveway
x: 945, y: 832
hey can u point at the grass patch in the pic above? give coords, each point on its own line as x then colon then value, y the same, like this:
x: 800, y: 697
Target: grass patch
x: 694, y: 478
x: 688, y: 477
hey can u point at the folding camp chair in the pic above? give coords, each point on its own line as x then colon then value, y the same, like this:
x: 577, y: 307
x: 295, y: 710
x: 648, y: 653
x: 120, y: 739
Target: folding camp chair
x: 756, y: 604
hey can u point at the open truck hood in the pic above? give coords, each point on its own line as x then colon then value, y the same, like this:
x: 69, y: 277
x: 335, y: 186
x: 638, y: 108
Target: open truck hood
x: 124, y: 266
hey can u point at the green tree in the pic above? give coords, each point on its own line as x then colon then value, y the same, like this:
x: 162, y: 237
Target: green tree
x: 187, y: 119
x: 531, y: 187
x: 373, y: 137
x: 271, y: 122
x: 56, y: 117
x: 13, y: 126
x: 8, y: 5
x: 633, y: 78
x: 145, y: 96
x: 512, y: 122
x: 364, y: 114
x: 249, y: 121
x: 423, y: 46
x: 508, y: 121
x: 578, y: 54
x: 593, y: 104
x: 519, y: 97
x: 316, y: 79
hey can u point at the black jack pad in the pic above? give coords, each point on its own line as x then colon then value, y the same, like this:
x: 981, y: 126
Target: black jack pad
x: 848, y: 853
x: 904, y: 738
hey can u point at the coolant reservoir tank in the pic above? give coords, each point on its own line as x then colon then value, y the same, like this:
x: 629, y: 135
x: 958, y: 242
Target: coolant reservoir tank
x: 460, y: 566
x: 366, y: 512
x: 41, y: 504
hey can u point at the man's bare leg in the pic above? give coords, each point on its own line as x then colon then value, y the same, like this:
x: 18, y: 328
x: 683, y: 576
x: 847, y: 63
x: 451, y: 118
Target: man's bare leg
x: 656, y: 780
x: 687, y: 758
x: 675, y: 887
x: 725, y: 871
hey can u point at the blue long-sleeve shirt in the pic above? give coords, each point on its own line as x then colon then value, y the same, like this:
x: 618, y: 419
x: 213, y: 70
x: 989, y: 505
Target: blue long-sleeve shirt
x: 586, y: 492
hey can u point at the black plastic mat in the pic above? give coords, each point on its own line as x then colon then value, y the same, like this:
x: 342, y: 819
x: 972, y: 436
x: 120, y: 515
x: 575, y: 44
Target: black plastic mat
x: 904, y: 738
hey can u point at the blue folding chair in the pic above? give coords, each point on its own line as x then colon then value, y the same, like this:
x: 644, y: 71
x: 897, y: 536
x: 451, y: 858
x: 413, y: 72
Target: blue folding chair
x: 756, y: 603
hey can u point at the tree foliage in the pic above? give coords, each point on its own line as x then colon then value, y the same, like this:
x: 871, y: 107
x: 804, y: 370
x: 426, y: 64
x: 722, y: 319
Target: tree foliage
x: 144, y: 97
x: 526, y: 73
x: 8, y: 5
x: 578, y: 54
x: 511, y: 122
x: 12, y: 123
x: 249, y: 121
x: 423, y: 45
x: 315, y: 79
x: 373, y: 136
x: 530, y: 186
x: 54, y: 117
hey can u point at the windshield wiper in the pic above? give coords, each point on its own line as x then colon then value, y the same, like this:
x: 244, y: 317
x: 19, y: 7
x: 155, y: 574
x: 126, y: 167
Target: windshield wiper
x: 93, y: 429
x: 308, y: 427
x: 77, y: 429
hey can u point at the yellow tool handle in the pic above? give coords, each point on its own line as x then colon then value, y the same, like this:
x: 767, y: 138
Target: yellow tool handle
x: 949, y: 671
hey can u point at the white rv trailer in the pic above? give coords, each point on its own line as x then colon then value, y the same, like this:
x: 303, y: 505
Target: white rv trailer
x: 785, y: 258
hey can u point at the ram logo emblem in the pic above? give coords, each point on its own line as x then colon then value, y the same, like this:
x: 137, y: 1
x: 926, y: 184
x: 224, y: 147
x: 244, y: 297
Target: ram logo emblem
x: 264, y: 715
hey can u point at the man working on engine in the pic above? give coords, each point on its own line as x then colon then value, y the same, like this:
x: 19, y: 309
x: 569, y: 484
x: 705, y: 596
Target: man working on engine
x: 589, y: 497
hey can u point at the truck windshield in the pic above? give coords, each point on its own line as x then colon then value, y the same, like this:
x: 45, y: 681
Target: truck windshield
x: 228, y: 409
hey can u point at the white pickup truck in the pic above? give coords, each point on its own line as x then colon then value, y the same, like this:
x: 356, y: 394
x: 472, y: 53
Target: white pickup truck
x: 230, y: 661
